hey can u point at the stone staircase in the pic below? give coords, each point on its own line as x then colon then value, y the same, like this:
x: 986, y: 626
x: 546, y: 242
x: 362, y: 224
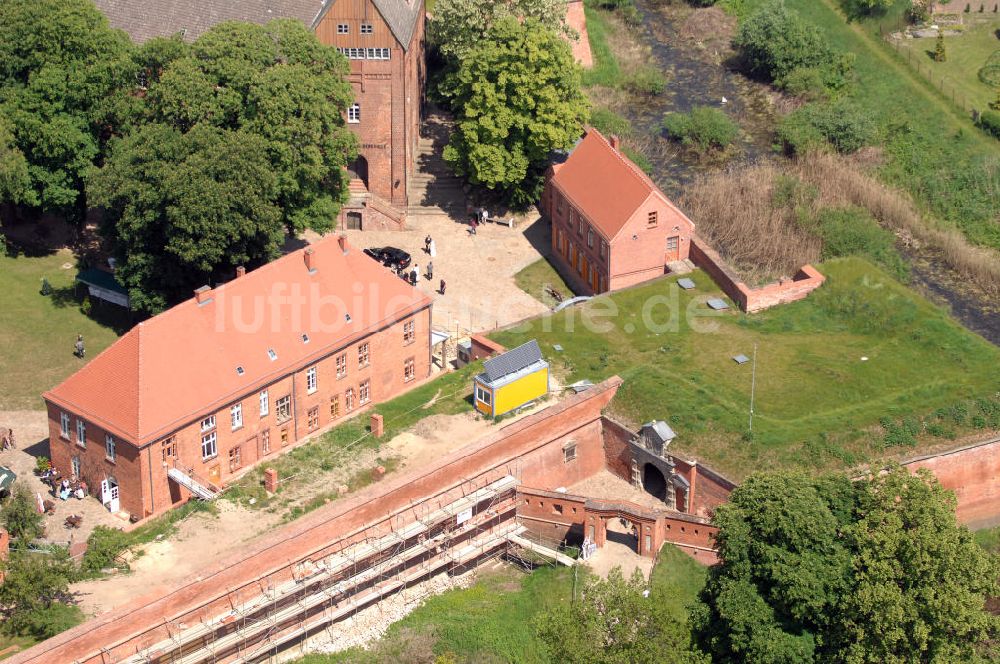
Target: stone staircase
x: 434, y: 189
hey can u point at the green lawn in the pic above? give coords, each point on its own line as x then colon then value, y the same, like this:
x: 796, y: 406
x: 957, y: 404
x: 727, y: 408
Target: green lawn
x: 817, y: 404
x: 678, y: 577
x: 988, y: 538
x: 21, y: 643
x: 966, y: 55
x: 538, y: 277
x: 37, y: 332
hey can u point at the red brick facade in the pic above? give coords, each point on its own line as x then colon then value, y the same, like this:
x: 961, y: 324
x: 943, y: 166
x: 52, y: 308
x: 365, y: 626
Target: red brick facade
x: 141, y: 473
x: 603, y: 247
x: 388, y: 90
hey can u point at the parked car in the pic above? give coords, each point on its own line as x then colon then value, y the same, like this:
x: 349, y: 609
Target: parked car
x: 390, y: 257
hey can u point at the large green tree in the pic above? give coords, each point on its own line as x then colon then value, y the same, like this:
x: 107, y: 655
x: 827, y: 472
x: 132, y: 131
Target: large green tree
x: 517, y: 98
x: 34, y: 596
x: 457, y: 26
x: 615, y: 621
x: 183, y: 209
x: 19, y: 516
x: 63, y: 71
x: 829, y: 570
x: 276, y: 82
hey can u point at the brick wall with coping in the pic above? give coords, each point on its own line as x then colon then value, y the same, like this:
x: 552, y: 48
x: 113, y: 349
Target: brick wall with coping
x: 806, y: 280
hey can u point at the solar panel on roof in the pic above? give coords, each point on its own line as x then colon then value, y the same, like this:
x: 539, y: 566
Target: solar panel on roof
x: 512, y: 361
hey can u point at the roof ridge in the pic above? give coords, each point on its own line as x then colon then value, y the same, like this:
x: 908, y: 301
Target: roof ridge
x: 140, y: 393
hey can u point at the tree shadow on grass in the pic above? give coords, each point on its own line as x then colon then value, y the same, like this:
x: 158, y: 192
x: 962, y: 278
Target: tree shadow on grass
x: 103, y: 313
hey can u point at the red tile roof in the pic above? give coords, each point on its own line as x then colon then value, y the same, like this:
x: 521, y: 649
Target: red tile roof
x: 181, y: 364
x: 603, y: 183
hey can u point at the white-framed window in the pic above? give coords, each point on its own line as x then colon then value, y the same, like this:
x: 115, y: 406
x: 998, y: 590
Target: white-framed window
x: 341, y: 365
x: 109, y: 447
x: 590, y: 238
x: 236, y: 416
x: 311, y: 382
x: 343, y: 29
x: 265, y: 441
x: 208, y: 446
x: 354, y: 113
x: 482, y: 394
x: 265, y: 406
x: 377, y: 53
x: 409, y: 370
x: 349, y: 399
x: 604, y: 248
x: 283, y: 408
x: 363, y: 355
x: 64, y: 425
x: 409, y: 332
x: 352, y: 53
x: 364, y: 392
x: 75, y: 465
x: 208, y: 423
x: 366, y: 28
x: 81, y: 433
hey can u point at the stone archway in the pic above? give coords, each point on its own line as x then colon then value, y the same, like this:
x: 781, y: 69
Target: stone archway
x: 620, y: 530
x: 653, y: 482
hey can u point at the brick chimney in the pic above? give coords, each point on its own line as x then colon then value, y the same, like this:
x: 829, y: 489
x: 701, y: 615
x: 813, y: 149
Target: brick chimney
x: 615, y: 143
x: 310, y: 258
x: 343, y: 243
x: 203, y: 295
x: 240, y: 271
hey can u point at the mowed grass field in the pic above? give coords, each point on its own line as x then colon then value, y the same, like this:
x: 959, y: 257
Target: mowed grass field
x: 817, y: 402
x: 966, y: 54
x: 37, y: 332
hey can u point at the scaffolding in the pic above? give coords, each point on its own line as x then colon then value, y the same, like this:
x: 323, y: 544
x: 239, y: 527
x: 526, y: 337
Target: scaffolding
x: 337, y: 585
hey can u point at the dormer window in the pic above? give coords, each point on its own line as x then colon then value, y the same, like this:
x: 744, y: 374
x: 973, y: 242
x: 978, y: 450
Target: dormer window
x: 271, y: 354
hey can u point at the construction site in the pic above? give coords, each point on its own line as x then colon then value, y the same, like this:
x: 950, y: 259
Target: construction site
x: 517, y: 493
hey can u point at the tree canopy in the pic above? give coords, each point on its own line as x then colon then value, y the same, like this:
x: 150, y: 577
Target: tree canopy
x: 829, y: 570
x: 517, y: 98
x: 62, y: 72
x: 183, y: 209
x: 458, y: 26
x: 614, y: 622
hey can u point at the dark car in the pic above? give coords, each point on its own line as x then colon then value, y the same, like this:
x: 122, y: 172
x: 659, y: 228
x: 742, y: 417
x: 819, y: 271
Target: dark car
x: 390, y: 257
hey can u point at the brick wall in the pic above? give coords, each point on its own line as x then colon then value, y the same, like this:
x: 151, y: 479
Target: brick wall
x: 971, y: 472
x: 750, y: 300
x: 551, y: 517
x: 531, y: 448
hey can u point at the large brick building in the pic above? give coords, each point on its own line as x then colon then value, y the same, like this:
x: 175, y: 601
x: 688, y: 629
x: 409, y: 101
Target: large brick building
x: 228, y: 378
x: 611, y: 226
x: 384, y: 42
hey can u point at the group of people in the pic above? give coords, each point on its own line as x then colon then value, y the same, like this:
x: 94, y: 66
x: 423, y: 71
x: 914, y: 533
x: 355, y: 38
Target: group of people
x: 7, y: 440
x: 65, y: 487
x: 413, y: 276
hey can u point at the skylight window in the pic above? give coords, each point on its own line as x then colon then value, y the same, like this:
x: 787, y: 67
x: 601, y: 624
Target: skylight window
x: 347, y: 317
x: 305, y: 338
x: 271, y: 354
x: 239, y: 371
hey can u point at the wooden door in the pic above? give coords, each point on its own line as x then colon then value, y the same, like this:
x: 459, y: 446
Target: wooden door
x: 572, y: 255
x: 353, y: 221
x: 672, y: 251
x: 214, y: 474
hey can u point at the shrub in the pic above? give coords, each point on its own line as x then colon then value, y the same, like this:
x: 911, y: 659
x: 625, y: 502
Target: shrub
x: 842, y: 124
x: 704, y: 127
x: 44, y: 622
x: 775, y: 41
x: 646, y: 80
x: 989, y: 73
x: 806, y: 82
x: 990, y: 122
x: 103, y: 546
x: 19, y: 515
x: 609, y: 123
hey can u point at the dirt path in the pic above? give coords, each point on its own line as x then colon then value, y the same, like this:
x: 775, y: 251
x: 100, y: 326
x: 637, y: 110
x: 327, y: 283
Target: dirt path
x: 202, y: 539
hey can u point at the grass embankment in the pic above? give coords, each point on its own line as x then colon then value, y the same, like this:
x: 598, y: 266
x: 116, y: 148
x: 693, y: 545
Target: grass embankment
x: 989, y: 539
x: 37, y: 332
x: 310, y: 463
x: 818, y: 405
x: 494, y: 619
x: 934, y: 151
x: 537, y: 278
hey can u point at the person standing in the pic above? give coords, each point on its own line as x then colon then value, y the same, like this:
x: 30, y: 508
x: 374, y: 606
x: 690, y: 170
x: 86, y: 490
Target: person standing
x: 431, y: 247
x: 416, y: 273
x: 79, y: 350
x: 430, y: 270
x: 441, y: 290
x: 428, y: 241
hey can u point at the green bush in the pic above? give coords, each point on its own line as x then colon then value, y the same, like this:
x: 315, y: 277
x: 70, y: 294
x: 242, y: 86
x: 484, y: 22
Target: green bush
x: 103, y: 546
x: 990, y: 122
x: 44, y: 622
x: 610, y: 123
x: 647, y: 80
x: 990, y: 72
x: 774, y: 41
x: 842, y: 124
x: 806, y: 82
x: 704, y: 127
x: 853, y: 232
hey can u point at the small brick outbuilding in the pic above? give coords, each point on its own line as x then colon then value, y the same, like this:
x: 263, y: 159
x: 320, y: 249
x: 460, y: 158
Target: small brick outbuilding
x: 611, y: 226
